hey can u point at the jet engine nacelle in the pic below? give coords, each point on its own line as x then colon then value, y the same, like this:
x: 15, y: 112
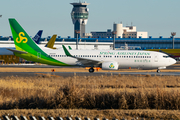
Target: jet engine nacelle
x: 109, y: 65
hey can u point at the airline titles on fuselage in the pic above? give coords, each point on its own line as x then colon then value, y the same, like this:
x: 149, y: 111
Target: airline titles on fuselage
x: 124, y: 53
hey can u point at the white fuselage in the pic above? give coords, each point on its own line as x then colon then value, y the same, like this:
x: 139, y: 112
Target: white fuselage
x: 124, y: 58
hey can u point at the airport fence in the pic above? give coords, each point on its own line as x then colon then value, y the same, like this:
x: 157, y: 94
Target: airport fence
x: 13, y: 117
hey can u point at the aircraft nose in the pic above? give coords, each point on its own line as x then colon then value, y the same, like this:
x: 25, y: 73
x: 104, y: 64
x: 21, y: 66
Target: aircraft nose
x: 172, y: 61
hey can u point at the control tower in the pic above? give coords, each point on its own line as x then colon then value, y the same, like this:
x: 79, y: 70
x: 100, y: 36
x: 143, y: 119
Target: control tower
x: 79, y: 17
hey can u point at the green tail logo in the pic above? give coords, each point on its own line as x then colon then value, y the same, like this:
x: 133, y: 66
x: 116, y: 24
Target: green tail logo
x: 21, y: 38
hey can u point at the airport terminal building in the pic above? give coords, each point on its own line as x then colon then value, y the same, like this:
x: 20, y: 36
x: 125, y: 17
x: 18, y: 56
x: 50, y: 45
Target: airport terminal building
x: 106, y: 43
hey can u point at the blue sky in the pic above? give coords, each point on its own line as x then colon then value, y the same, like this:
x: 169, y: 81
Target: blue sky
x: 157, y: 17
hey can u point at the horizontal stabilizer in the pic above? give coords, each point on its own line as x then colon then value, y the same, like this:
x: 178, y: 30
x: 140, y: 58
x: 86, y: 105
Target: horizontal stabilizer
x: 17, y: 51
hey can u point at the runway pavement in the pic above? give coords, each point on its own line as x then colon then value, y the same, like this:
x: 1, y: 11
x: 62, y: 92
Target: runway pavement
x: 67, y: 74
x: 177, y: 66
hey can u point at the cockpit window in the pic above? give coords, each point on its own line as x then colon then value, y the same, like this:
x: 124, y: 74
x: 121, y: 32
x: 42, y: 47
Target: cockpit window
x: 165, y: 56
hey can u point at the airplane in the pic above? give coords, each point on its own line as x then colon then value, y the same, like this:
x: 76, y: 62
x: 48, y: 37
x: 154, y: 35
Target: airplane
x: 36, y: 38
x: 106, y: 59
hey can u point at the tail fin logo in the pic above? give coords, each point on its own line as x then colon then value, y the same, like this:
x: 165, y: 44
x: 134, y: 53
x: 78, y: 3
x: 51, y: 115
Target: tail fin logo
x: 21, y: 38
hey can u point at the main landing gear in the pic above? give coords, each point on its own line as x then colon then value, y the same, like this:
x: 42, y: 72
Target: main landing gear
x: 91, y: 70
x: 158, y: 71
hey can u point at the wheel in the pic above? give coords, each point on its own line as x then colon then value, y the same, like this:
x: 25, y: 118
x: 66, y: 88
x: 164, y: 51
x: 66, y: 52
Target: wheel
x: 158, y: 71
x: 91, y: 70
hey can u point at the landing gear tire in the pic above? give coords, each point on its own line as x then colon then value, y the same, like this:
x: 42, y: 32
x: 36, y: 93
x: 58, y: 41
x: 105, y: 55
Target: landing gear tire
x: 158, y: 71
x: 91, y: 70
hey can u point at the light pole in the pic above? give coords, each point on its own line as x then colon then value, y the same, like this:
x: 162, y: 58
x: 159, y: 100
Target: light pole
x: 114, y: 36
x: 173, y: 34
x: 77, y: 32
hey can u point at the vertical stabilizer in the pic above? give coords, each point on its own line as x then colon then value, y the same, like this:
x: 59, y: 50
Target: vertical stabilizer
x: 51, y: 42
x: 37, y: 37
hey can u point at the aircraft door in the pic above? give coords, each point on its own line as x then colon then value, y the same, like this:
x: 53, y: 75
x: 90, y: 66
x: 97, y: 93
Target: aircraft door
x: 155, y: 58
x: 39, y: 56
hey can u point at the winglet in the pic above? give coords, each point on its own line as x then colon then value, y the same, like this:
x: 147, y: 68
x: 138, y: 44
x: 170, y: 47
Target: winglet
x: 70, y: 48
x: 66, y: 51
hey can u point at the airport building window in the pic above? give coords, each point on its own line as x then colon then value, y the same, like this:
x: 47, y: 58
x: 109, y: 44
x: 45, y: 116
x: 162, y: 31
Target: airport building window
x: 79, y: 15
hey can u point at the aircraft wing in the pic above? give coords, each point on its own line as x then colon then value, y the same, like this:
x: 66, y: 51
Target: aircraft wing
x: 17, y: 51
x: 88, y: 62
x: 82, y: 61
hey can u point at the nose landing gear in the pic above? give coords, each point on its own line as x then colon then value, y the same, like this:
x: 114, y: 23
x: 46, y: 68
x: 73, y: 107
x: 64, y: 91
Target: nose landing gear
x: 158, y: 71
